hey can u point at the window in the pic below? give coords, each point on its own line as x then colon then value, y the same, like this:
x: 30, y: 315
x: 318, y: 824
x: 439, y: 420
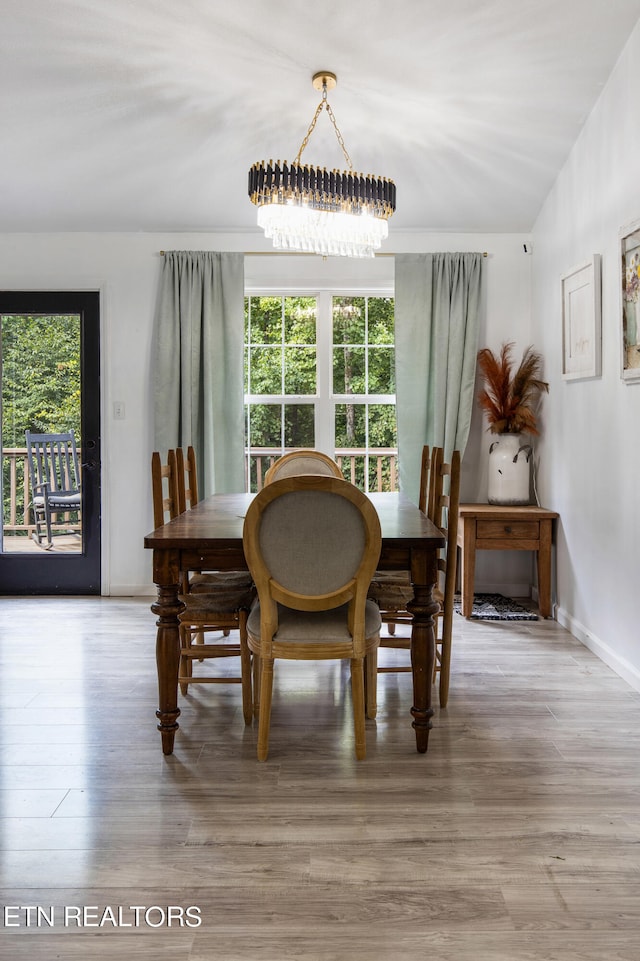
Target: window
x: 320, y: 372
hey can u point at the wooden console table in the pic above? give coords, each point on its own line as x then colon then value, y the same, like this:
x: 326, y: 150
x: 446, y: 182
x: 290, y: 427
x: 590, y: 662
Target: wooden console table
x: 489, y: 527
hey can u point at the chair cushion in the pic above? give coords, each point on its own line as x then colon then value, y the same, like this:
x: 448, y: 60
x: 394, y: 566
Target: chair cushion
x: 314, y: 626
x: 391, y: 590
x: 217, y: 602
x: 220, y: 580
x: 67, y: 501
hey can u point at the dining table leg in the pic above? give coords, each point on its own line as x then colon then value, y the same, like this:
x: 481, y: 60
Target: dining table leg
x: 167, y: 607
x: 423, y: 653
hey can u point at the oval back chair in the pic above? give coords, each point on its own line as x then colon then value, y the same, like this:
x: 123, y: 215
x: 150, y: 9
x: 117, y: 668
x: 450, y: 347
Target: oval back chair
x: 303, y: 461
x: 312, y: 544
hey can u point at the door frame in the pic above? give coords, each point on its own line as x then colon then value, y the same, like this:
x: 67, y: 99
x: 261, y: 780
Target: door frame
x: 36, y: 573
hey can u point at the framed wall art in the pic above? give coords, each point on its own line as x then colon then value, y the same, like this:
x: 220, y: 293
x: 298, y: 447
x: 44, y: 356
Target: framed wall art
x: 630, y: 293
x: 582, y: 321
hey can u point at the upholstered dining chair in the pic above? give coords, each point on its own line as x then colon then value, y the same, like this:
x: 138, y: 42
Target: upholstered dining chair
x: 303, y: 461
x: 312, y: 544
x: 393, y: 598
x: 215, y: 601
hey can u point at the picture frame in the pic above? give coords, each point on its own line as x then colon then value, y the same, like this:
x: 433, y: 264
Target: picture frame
x: 582, y: 320
x: 630, y: 301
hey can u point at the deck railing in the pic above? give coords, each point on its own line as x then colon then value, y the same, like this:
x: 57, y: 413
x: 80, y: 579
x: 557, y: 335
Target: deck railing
x: 379, y: 466
x: 15, y: 475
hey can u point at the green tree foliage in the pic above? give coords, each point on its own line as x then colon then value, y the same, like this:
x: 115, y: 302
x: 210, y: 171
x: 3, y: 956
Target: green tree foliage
x: 40, y: 381
x: 364, y: 363
x: 280, y: 358
x: 40, y: 375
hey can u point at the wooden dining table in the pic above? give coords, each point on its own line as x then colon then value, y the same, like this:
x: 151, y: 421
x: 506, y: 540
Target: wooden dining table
x: 209, y: 537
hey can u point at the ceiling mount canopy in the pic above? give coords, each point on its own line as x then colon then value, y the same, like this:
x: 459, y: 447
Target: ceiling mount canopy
x: 335, y: 212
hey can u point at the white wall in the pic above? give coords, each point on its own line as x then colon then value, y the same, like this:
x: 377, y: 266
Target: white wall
x: 590, y: 455
x: 125, y: 267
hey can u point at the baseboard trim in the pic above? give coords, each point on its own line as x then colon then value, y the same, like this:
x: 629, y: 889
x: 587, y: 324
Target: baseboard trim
x: 132, y: 590
x: 627, y: 671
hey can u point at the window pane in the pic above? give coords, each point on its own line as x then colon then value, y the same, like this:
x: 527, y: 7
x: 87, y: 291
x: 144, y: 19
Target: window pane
x: 300, y: 370
x: 349, y: 370
x: 265, y: 425
x: 349, y: 320
x: 382, y: 379
x: 350, y: 425
x: 299, y: 430
x: 266, y: 320
x: 382, y: 425
x: 381, y: 320
x: 266, y: 370
x: 300, y: 320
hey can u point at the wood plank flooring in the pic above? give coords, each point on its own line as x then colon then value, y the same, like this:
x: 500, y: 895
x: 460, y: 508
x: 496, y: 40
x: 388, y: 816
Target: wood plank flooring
x: 515, y: 838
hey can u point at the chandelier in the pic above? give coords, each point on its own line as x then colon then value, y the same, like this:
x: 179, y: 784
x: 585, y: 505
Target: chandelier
x: 339, y: 213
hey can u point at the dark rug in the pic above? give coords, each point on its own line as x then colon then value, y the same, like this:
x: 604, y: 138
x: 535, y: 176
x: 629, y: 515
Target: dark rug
x: 496, y: 607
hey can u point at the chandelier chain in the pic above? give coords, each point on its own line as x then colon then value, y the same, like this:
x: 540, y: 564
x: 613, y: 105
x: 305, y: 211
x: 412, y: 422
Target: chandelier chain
x: 324, y: 103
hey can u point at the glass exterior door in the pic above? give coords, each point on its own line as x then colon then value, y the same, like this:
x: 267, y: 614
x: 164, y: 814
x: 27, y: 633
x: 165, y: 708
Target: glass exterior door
x: 50, y: 389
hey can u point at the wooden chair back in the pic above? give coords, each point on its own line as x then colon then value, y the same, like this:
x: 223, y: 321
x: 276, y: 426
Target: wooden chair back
x: 53, y: 463
x: 425, y: 465
x: 303, y: 461
x: 447, y: 521
x: 164, y: 488
x: 446, y: 513
x: 312, y: 544
x: 187, y: 479
x: 435, y: 483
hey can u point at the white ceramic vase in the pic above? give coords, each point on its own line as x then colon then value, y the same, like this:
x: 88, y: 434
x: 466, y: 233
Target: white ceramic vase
x: 509, y: 472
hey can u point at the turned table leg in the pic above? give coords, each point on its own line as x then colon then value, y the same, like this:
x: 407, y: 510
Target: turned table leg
x: 167, y: 608
x: 423, y: 652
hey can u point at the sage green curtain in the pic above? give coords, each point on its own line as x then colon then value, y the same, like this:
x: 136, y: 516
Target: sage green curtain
x: 437, y: 316
x: 197, y: 364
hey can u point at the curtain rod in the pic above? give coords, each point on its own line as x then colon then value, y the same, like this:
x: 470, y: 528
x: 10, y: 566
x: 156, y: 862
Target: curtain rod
x: 296, y: 253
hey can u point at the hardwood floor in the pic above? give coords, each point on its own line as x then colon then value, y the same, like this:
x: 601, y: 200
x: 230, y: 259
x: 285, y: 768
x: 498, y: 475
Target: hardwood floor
x: 515, y: 838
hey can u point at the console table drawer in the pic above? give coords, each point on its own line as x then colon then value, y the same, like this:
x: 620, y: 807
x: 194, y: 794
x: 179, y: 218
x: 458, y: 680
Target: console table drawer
x: 503, y: 530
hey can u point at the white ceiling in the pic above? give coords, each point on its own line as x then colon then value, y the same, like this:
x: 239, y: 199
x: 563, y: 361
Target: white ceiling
x: 121, y: 115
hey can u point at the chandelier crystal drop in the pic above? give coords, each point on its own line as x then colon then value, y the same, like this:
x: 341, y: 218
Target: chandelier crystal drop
x: 332, y: 213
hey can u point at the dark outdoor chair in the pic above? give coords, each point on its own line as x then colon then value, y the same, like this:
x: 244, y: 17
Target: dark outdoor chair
x: 55, y: 480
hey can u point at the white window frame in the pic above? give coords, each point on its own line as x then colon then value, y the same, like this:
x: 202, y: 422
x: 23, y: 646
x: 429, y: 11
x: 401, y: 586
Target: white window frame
x: 324, y: 400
